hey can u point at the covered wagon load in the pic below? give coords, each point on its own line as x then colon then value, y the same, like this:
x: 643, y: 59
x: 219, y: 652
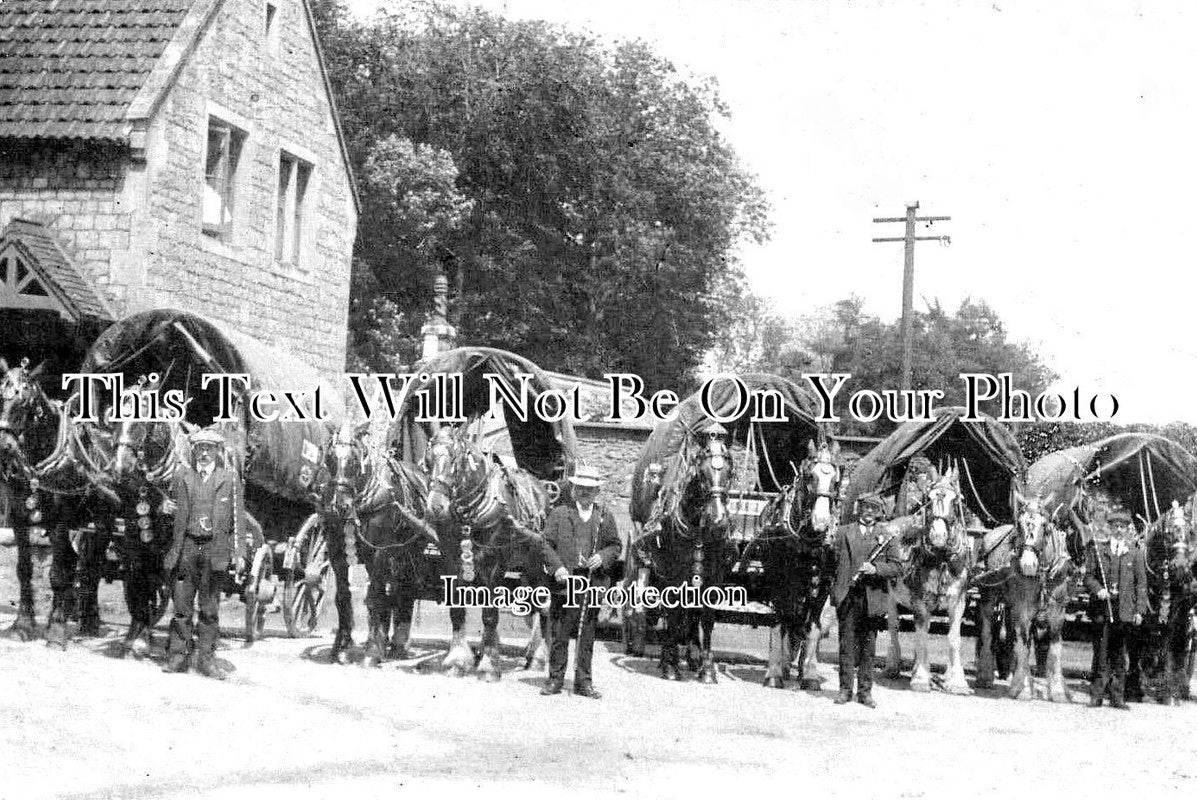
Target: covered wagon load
x: 951, y: 486
x: 1151, y: 479
x: 279, y: 455
x: 701, y: 490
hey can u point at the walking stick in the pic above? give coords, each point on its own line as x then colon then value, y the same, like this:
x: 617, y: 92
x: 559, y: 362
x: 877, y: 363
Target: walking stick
x: 1101, y: 574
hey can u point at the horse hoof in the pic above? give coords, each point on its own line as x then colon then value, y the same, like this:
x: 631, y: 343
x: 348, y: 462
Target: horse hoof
x: 961, y: 691
x: 342, y: 658
x: 920, y: 686
x: 774, y: 682
x: 707, y: 676
x: 1059, y: 697
x: 489, y: 677
x: 670, y: 673
x: 371, y: 662
x: 398, y: 653
x: 454, y: 672
x: 811, y: 684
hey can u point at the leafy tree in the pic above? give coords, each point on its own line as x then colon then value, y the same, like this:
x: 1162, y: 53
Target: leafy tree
x: 944, y: 345
x: 597, y: 207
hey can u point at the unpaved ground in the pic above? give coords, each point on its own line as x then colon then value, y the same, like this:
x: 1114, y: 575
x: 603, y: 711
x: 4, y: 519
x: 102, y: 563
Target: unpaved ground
x: 82, y: 723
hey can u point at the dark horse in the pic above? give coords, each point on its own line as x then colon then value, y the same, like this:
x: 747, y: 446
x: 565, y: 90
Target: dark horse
x: 485, y: 515
x: 796, y: 544
x: 147, y: 455
x: 57, y: 466
x: 383, y: 500
x: 1166, y: 636
x: 685, y: 541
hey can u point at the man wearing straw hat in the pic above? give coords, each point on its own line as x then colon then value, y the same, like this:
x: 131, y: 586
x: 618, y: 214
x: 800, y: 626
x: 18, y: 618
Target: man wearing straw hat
x: 583, y: 540
x: 208, y: 516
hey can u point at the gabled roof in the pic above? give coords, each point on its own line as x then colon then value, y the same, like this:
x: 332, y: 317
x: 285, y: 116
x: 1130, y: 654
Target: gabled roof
x: 40, y: 249
x: 71, y: 68
x: 99, y: 69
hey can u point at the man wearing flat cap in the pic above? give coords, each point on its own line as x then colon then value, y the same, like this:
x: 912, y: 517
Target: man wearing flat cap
x: 209, y: 523
x: 1116, y: 577
x: 862, y: 580
x: 582, y: 540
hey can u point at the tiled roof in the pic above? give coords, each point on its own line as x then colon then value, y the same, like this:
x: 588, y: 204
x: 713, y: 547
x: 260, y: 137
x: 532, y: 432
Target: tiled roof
x: 70, y: 68
x: 52, y: 261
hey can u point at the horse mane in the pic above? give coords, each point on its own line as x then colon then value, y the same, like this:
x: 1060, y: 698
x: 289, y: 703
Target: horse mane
x: 680, y: 470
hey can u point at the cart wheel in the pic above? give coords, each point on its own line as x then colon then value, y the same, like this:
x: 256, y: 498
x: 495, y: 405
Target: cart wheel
x: 260, y: 587
x: 307, y: 578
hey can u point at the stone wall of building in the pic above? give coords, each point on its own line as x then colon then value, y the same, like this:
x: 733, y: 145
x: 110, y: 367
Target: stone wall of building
x: 274, y: 94
x: 76, y: 189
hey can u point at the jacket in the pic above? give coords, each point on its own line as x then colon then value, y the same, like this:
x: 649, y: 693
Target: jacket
x: 852, y: 548
x: 1126, y: 573
x: 229, y: 530
x: 568, y: 538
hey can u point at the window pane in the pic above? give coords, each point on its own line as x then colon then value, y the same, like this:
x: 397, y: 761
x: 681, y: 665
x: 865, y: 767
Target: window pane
x: 284, y: 187
x: 217, y: 179
x: 301, y: 187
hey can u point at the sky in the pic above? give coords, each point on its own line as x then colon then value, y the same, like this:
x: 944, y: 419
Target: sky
x: 1061, y: 138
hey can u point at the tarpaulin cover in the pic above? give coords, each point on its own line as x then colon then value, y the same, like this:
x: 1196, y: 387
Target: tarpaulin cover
x: 546, y: 449
x: 1126, y: 466
x: 181, y: 346
x: 994, y: 461
x: 776, y: 444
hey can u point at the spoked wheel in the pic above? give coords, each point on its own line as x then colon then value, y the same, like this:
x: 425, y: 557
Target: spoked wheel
x: 260, y: 588
x: 308, y: 573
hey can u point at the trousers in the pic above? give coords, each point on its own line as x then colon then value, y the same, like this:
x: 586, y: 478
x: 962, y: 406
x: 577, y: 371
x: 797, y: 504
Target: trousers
x: 858, y: 643
x: 196, y: 583
x: 564, y: 623
x: 1109, y: 660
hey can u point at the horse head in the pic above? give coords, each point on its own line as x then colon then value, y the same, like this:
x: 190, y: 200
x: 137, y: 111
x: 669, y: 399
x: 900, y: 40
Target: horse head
x: 943, y: 510
x: 457, y: 474
x: 1034, y: 525
x: 822, y: 479
x: 712, y: 479
x: 349, y: 470
x: 1178, y: 533
x: 23, y: 405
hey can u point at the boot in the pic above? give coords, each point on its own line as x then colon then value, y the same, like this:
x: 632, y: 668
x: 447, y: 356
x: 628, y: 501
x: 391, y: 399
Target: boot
x: 866, y: 700
x: 554, y: 686
x: 845, y: 696
x: 176, y: 663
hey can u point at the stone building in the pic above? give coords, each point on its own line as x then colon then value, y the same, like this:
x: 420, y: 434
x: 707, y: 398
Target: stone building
x: 170, y: 153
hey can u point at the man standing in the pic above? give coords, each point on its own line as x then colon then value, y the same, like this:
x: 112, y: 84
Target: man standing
x: 209, y: 526
x: 1116, y: 577
x: 859, y: 595
x: 583, y: 540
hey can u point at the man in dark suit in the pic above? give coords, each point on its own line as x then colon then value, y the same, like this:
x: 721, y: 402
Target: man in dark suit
x: 583, y: 540
x: 1116, y: 577
x: 209, y: 530
x: 859, y: 595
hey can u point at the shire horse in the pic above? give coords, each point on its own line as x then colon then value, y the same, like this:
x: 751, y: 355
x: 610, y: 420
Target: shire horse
x: 1037, y: 589
x: 685, y: 541
x: 797, y: 547
x: 1167, y: 634
x: 485, y: 514
x: 936, y: 568
x: 56, y: 465
x: 383, y: 500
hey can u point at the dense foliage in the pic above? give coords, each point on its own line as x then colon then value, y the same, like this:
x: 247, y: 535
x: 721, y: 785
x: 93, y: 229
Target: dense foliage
x: 579, y: 195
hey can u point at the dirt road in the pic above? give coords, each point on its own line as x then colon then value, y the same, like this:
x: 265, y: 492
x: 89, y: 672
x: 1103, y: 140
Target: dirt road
x: 83, y: 723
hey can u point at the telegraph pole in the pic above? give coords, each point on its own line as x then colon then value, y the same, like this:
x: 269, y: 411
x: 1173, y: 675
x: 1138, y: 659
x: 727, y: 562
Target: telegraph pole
x: 908, y: 274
